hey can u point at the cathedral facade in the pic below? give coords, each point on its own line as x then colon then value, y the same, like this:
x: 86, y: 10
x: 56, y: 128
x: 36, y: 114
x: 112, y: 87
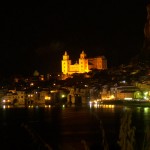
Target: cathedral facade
x: 83, y: 65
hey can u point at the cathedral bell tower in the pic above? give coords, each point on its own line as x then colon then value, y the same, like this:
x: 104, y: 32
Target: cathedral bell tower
x: 65, y: 63
x: 83, y: 63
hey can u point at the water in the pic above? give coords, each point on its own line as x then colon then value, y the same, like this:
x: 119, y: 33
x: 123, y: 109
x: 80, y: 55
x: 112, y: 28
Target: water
x: 68, y: 128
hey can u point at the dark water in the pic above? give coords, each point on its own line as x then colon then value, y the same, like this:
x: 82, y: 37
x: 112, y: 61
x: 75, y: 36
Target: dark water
x: 68, y: 128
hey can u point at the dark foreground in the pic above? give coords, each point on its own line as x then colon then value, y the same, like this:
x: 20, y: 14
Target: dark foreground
x: 68, y: 128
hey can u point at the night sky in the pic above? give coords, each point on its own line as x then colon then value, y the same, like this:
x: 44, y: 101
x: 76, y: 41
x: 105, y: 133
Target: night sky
x: 35, y: 37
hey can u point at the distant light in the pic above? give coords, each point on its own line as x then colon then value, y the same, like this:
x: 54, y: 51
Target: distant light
x: 47, y: 106
x: 47, y: 97
x: 30, y: 106
x: 30, y: 95
x: 37, y: 107
x: 42, y: 78
x: 62, y: 95
x: 4, y: 101
x: 53, y: 91
x: 145, y: 93
x: 123, y: 81
x: 127, y: 98
x: 146, y: 110
x: 31, y: 84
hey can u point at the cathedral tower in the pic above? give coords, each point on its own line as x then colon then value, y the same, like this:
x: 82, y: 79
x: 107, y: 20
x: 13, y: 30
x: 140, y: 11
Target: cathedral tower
x: 66, y: 63
x: 83, y: 63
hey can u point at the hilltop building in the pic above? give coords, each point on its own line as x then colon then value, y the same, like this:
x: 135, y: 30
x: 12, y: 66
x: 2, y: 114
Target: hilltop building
x: 83, y: 65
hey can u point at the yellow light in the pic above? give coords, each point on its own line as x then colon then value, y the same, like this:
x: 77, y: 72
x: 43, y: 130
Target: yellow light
x: 112, y: 97
x: 30, y: 106
x: 53, y: 91
x: 30, y: 95
x: 47, y: 106
x: 146, y: 110
x: 47, y: 97
x: 145, y: 93
x: 63, y: 96
x: 95, y: 101
x: 31, y: 84
x: 95, y: 105
x: 42, y: 79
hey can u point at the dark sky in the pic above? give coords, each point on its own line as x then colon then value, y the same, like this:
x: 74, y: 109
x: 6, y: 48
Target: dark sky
x: 35, y: 37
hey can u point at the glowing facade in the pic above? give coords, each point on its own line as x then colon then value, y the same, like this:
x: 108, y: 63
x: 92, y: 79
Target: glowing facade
x: 83, y: 65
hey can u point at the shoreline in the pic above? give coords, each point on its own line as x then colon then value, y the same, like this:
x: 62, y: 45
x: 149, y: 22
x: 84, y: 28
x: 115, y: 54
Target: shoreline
x: 126, y: 103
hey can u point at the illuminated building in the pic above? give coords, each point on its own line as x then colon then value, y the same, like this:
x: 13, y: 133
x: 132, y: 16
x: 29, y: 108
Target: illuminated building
x: 83, y: 65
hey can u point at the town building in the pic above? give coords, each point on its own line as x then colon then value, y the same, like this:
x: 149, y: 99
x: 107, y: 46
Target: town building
x: 83, y: 65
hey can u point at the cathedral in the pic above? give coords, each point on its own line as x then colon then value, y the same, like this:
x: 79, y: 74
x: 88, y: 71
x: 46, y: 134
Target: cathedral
x: 83, y: 65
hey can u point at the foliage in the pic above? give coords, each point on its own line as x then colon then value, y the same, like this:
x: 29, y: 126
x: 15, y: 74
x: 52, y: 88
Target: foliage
x: 104, y: 140
x: 127, y: 133
x: 146, y: 144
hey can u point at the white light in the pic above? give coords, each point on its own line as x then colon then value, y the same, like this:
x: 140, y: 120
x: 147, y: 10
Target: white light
x: 63, y: 96
x: 49, y: 106
x: 37, y: 107
x: 128, y: 98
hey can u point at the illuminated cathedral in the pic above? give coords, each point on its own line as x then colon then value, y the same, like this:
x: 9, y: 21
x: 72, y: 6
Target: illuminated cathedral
x: 83, y: 65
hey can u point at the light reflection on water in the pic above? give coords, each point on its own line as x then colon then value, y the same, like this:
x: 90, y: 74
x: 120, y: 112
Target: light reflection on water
x: 6, y: 106
x: 51, y: 117
x: 145, y: 110
x: 142, y: 113
x: 101, y: 106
